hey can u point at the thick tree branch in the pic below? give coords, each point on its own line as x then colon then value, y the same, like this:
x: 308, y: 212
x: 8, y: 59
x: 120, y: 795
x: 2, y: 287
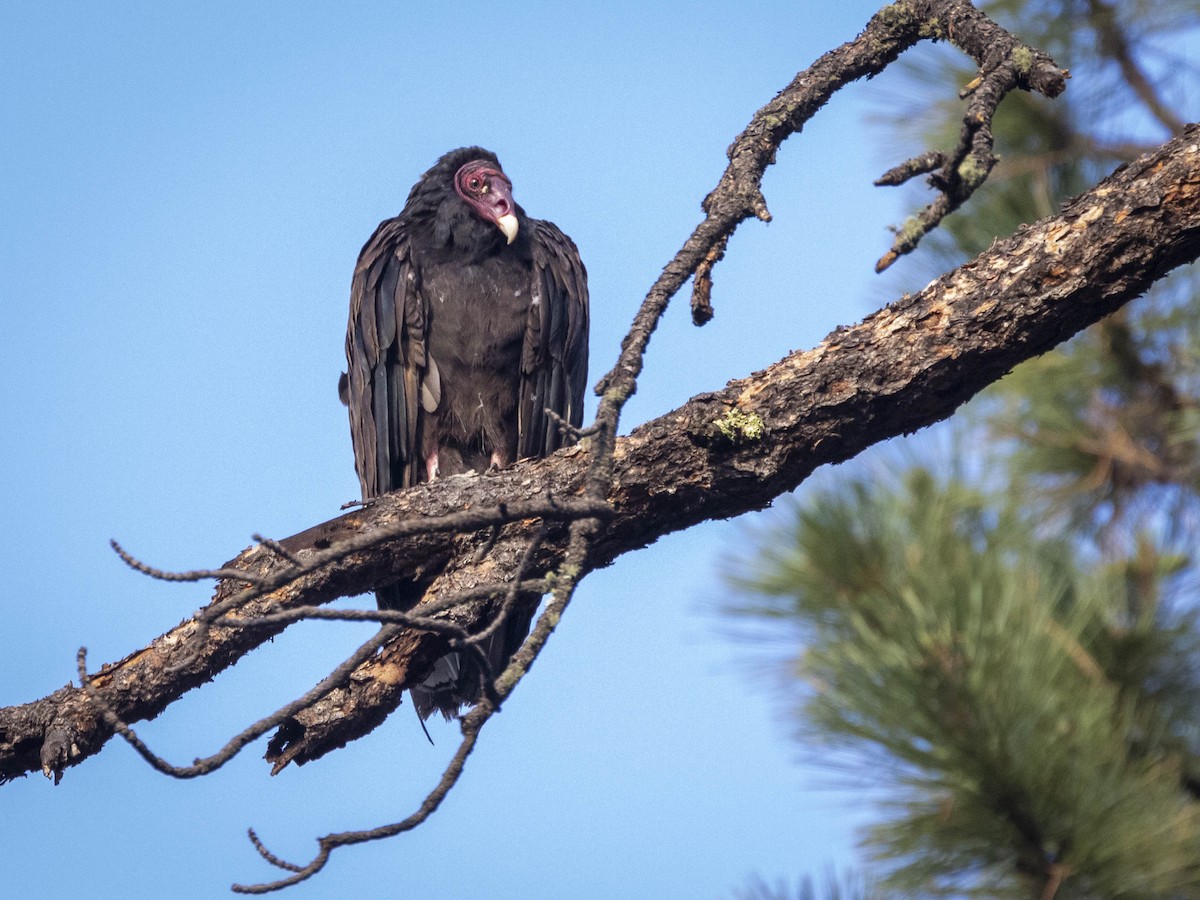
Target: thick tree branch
x: 718, y: 455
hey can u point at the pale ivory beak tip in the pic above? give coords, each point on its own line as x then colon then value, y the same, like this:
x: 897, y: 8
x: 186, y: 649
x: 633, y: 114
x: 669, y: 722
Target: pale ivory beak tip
x: 508, y: 224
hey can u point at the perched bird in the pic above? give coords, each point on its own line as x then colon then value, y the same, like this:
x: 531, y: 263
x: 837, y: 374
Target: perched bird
x: 468, y: 320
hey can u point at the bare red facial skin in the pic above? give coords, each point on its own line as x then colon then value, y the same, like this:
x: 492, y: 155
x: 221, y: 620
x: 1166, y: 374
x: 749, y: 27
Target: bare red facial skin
x: 486, y: 188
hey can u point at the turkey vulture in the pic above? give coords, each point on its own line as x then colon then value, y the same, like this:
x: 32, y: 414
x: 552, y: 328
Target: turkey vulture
x: 468, y: 320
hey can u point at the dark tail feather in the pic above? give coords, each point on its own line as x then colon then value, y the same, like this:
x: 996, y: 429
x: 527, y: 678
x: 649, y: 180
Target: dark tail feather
x: 454, y: 681
x: 402, y: 596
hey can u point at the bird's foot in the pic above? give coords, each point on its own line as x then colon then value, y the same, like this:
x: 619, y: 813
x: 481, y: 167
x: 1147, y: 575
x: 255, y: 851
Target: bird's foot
x: 432, y: 469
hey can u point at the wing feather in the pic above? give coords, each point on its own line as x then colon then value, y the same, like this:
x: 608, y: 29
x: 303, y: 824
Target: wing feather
x: 385, y: 342
x: 554, y: 357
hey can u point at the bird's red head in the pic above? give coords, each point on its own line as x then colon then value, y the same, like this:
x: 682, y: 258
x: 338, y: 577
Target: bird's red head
x: 489, y: 192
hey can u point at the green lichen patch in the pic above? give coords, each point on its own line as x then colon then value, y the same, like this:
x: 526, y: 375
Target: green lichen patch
x: 1022, y: 60
x: 972, y: 171
x: 739, y: 427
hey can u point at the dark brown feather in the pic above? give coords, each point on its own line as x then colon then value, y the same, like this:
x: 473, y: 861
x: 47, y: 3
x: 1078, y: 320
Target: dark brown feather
x: 457, y: 344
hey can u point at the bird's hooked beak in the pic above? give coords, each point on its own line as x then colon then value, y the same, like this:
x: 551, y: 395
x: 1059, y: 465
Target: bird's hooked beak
x: 497, y: 198
x: 508, y: 224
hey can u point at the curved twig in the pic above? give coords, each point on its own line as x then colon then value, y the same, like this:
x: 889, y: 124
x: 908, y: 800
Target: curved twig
x: 386, y: 616
x: 1005, y: 64
x: 211, y: 763
x: 195, y: 575
x: 514, y: 588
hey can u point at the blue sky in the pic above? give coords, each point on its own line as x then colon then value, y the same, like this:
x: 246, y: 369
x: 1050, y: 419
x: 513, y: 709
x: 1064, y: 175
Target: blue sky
x: 184, y: 191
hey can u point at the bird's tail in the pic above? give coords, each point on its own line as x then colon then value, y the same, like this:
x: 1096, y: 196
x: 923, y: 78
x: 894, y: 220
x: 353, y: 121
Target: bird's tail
x: 455, y: 679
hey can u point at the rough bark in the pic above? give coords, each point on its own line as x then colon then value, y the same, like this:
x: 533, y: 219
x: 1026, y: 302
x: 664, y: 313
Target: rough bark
x: 720, y: 454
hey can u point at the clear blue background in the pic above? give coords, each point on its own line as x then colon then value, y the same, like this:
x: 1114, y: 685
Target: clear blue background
x: 184, y: 190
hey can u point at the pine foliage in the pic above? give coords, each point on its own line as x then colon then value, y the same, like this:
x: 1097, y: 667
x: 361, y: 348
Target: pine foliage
x: 1006, y: 687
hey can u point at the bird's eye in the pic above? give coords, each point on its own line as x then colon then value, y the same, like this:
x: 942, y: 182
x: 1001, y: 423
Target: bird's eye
x: 474, y: 182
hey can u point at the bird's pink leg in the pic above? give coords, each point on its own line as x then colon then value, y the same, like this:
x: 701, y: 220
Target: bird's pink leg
x: 498, y: 461
x: 431, y: 465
